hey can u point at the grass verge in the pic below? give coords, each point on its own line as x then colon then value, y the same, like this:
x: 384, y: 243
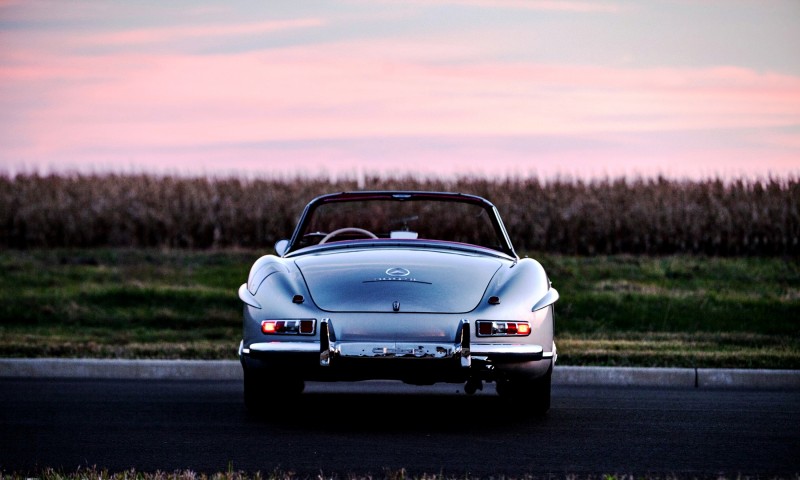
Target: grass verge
x: 674, y: 311
x: 388, y: 474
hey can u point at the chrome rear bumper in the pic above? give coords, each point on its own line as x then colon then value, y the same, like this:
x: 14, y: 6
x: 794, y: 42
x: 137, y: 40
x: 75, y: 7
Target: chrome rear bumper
x: 329, y: 349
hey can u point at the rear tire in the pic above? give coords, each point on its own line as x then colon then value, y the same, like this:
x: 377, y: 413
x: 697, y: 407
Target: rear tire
x: 254, y: 390
x: 535, y: 393
x: 259, y: 388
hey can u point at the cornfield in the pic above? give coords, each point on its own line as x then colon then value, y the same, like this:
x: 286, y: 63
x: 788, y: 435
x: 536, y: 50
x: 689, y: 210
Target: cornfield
x: 644, y: 216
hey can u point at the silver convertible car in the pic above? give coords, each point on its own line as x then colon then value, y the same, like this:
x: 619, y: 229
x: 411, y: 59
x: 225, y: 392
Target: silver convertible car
x: 422, y: 287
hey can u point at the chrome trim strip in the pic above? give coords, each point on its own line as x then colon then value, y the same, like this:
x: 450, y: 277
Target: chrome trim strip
x: 403, y: 243
x: 395, y: 350
x: 285, y: 347
x: 485, y: 349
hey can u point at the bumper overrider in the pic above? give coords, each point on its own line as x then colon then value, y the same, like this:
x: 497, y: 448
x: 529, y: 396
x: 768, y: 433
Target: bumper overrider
x: 417, y: 362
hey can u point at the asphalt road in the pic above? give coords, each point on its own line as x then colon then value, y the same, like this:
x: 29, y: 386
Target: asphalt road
x: 379, y: 427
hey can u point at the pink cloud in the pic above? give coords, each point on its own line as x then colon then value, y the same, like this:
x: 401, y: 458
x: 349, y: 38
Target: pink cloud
x: 166, y: 34
x: 552, y: 5
x: 324, y: 93
x: 125, y: 102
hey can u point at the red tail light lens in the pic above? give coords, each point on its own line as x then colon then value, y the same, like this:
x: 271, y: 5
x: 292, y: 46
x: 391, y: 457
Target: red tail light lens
x: 307, y: 327
x: 484, y: 328
x: 289, y: 327
x: 488, y: 328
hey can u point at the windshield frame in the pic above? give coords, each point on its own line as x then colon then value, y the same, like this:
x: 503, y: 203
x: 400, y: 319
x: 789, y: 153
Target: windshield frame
x: 505, y: 246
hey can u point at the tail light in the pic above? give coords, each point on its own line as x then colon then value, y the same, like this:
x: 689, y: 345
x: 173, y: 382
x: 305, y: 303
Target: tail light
x: 487, y: 328
x: 289, y: 327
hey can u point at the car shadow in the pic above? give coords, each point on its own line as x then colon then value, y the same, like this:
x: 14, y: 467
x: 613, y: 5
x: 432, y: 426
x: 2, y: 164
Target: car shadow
x: 380, y: 412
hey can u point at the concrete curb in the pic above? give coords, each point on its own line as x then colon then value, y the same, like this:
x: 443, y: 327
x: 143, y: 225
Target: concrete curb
x: 120, y: 369
x: 232, y: 370
x: 624, y: 376
x: 678, y: 377
x: 786, y: 379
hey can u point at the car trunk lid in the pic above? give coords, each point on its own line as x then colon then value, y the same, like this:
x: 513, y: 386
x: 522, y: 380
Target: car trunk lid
x: 406, y: 281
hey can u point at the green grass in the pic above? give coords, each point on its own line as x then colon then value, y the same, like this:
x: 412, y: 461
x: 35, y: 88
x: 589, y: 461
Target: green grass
x: 121, y: 303
x: 674, y: 311
x: 677, y: 311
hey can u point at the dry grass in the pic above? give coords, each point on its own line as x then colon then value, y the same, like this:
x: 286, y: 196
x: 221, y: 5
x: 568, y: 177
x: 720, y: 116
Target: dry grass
x: 645, y: 216
x: 94, y: 473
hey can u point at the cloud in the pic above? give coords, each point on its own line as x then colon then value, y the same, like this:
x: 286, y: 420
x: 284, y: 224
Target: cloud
x: 350, y: 90
x: 155, y: 35
x: 338, y: 101
x: 535, y: 5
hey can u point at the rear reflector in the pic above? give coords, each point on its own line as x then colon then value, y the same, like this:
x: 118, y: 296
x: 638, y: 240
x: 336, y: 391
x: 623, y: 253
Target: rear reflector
x: 484, y: 328
x: 307, y: 326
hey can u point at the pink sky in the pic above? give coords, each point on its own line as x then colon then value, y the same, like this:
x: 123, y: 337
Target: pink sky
x: 350, y: 87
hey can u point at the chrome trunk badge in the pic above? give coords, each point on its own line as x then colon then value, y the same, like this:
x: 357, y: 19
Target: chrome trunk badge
x: 396, y: 306
x: 398, y: 272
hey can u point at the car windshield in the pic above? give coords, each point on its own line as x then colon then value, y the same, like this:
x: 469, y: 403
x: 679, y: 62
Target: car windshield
x: 410, y: 219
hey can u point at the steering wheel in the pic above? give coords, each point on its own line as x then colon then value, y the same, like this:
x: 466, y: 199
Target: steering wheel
x: 346, y: 230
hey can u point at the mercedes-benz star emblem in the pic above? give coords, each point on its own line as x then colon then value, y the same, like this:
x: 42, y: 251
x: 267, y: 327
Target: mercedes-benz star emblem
x: 398, y: 272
